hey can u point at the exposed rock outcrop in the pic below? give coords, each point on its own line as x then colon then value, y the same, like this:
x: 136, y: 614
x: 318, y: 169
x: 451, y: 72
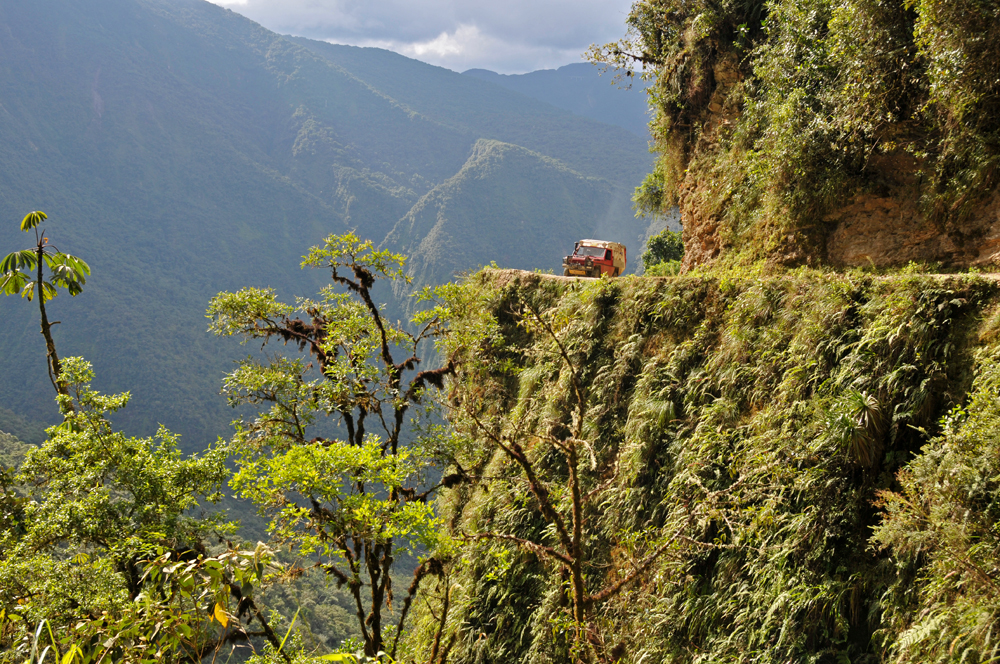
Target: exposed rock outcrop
x: 892, y: 230
x: 885, y: 226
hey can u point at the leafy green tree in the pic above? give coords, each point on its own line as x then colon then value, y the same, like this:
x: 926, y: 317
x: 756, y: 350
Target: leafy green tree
x: 108, y: 556
x: 103, y: 489
x: 22, y: 272
x: 558, y: 459
x: 664, y: 247
x: 325, y: 458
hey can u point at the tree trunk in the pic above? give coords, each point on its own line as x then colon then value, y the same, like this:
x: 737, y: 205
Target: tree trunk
x: 55, y: 368
x: 576, y: 555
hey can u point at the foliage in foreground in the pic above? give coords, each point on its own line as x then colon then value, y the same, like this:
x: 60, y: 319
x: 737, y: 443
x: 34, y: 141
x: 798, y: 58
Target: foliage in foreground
x: 791, y: 468
x: 104, y: 555
x: 752, y: 424
x: 328, y: 457
x: 101, y: 551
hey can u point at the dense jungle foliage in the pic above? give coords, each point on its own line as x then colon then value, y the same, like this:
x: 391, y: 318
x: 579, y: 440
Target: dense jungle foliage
x: 805, y: 466
x: 726, y: 466
x: 109, y: 547
x: 771, y: 111
x: 705, y: 468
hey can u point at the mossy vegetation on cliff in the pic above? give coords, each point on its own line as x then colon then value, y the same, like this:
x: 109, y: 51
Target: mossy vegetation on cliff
x: 772, y: 114
x: 818, y: 451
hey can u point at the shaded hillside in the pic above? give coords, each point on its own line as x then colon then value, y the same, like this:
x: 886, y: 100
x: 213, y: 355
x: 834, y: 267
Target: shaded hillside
x: 582, y: 89
x: 182, y: 150
x: 804, y: 466
x: 12, y: 451
x: 489, y: 211
x: 477, y: 108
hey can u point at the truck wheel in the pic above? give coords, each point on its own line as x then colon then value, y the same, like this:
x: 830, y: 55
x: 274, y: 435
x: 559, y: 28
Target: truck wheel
x: 565, y: 271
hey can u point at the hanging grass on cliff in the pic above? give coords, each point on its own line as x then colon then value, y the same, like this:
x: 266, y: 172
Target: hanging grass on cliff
x: 762, y: 427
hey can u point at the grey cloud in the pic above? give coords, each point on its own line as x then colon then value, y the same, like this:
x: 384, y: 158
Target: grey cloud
x: 508, y: 36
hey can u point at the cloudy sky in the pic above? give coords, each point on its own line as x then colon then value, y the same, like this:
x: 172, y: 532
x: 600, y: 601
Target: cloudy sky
x: 507, y: 36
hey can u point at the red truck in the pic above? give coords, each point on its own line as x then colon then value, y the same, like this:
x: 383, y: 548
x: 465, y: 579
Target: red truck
x: 592, y: 258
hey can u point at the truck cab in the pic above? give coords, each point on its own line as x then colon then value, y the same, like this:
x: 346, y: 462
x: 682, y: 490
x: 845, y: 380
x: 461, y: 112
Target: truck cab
x: 592, y: 258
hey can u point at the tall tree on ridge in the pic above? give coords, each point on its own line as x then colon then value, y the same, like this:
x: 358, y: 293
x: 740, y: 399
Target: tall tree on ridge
x: 353, y: 494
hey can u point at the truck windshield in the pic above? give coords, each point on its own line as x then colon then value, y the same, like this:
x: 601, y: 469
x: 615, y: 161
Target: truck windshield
x: 596, y: 252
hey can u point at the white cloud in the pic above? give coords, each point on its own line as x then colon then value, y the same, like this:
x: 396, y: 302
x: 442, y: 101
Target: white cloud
x: 507, y: 36
x: 445, y: 45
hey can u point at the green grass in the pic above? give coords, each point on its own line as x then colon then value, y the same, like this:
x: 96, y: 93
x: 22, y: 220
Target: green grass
x: 761, y: 419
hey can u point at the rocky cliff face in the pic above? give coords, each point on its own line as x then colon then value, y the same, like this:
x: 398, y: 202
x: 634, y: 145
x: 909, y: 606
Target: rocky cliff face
x: 817, y: 132
x: 893, y: 228
x: 884, y: 224
x: 868, y: 230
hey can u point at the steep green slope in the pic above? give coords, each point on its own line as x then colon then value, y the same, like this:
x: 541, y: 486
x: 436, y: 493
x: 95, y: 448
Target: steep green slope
x: 111, y: 128
x: 749, y: 430
x: 182, y: 150
x: 582, y: 89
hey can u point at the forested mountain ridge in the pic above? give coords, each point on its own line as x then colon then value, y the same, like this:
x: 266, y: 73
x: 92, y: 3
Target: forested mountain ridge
x: 182, y: 149
x: 580, y: 88
x: 466, y: 215
x: 479, y: 109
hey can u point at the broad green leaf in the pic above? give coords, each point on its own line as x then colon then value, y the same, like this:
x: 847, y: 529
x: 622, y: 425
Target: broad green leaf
x: 48, y: 291
x: 79, y: 265
x: 64, y: 274
x: 32, y: 219
x: 18, y: 260
x: 12, y: 283
x: 69, y: 267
